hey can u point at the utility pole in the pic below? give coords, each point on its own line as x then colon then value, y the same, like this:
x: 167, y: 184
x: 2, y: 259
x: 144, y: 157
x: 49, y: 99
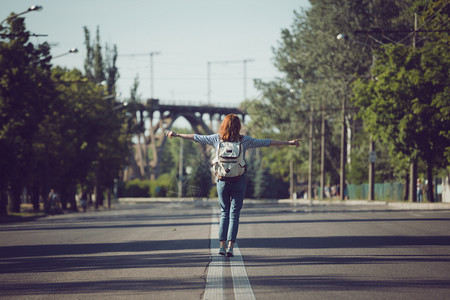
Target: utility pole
x: 311, y: 131
x: 208, y: 71
x: 372, y: 155
x: 291, y: 176
x: 413, y: 164
x: 208, y: 75
x: 372, y: 159
x: 343, y: 152
x: 180, y: 171
x: 151, y: 67
x: 245, y: 61
x: 322, y: 156
x: 151, y: 73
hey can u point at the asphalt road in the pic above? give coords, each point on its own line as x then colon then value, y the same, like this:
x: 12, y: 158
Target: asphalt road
x: 162, y: 251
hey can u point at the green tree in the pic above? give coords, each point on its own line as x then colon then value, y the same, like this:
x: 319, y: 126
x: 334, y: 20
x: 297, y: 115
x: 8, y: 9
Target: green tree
x: 268, y: 186
x: 407, y: 105
x: 134, y: 95
x: 253, y: 164
x: 263, y: 190
x: 97, y: 69
x: 26, y: 97
x: 111, y: 70
x: 412, y: 119
x: 112, y: 144
x: 357, y: 171
x: 317, y: 73
x: 58, y: 128
x: 68, y: 135
x: 199, y: 183
x: 315, y: 77
x: 93, y: 64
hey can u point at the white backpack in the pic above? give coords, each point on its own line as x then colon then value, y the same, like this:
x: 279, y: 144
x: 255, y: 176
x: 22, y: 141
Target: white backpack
x: 229, y: 161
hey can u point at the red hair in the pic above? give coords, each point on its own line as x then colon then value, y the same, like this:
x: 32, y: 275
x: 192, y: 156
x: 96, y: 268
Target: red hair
x: 230, y: 128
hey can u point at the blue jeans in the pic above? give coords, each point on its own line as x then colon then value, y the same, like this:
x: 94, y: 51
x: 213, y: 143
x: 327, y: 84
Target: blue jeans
x: 231, y: 198
x: 419, y: 196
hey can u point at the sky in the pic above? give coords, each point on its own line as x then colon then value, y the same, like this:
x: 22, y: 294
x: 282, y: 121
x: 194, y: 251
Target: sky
x: 185, y: 36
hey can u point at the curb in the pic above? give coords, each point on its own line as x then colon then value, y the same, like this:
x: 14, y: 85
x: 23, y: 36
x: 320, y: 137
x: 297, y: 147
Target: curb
x: 387, y: 205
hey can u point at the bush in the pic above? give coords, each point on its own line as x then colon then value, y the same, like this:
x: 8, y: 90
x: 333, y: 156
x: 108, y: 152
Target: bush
x: 199, y: 182
x: 213, y: 192
x: 136, y: 188
x: 164, y: 186
x: 161, y: 186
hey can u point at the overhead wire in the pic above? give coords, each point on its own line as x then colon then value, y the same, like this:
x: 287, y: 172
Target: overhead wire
x: 427, y: 20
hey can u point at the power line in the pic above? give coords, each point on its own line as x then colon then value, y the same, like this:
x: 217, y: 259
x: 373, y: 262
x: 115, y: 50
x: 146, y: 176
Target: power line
x: 151, y: 67
x: 244, y: 61
x: 398, y: 31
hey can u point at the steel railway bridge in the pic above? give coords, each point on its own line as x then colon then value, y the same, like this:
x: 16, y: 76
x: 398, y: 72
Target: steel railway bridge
x: 155, y: 117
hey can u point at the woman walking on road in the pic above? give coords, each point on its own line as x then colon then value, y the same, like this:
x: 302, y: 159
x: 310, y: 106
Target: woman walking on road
x: 229, y: 166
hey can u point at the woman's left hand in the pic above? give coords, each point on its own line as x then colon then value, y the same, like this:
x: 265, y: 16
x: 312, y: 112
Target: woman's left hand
x: 170, y: 134
x: 295, y: 142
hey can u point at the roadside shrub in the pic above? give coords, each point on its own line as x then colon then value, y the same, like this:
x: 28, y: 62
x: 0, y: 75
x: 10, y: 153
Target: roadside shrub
x: 161, y: 186
x: 164, y: 186
x: 136, y: 188
x: 213, y: 192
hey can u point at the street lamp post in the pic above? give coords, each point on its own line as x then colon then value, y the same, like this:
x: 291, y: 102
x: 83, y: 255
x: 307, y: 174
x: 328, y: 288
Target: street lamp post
x: 31, y: 8
x: 310, y: 155
x: 73, y: 50
x: 120, y: 105
x: 343, y: 157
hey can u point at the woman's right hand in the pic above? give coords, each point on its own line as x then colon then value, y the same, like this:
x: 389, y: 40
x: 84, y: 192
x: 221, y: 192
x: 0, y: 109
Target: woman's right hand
x: 295, y: 142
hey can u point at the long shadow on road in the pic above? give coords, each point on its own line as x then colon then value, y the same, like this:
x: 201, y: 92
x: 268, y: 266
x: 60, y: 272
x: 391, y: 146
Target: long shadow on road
x: 148, y: 222
x: 99, y: 248
x: 344, y: 283
x: 345, y: 242
x: 68, y: 263
x: 192, y: 244
x: 104, y: 286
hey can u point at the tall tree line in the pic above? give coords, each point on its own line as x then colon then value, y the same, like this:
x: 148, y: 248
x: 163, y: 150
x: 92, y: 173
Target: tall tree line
x: 407, y: 106
x: 320, y: 73
x: 60, y: 128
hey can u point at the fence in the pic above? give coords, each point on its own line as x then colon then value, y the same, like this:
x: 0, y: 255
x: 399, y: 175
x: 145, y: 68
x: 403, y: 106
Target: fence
x: 383, y: 191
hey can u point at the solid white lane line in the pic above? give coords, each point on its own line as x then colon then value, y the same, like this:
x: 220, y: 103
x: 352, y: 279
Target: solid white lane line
x: 214, y: 279
x: 242, y: 288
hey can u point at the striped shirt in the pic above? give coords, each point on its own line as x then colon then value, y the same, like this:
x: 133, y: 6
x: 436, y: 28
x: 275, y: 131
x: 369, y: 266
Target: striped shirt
x: 247, y: 141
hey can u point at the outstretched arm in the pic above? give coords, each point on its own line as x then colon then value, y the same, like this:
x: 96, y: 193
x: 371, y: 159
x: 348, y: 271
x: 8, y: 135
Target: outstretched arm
x: 295, y: 142
x: 185, y: 136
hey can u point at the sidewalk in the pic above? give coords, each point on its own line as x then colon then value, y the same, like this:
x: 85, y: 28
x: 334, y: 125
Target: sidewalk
x: 27, y: 213
x: 388, y: 205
